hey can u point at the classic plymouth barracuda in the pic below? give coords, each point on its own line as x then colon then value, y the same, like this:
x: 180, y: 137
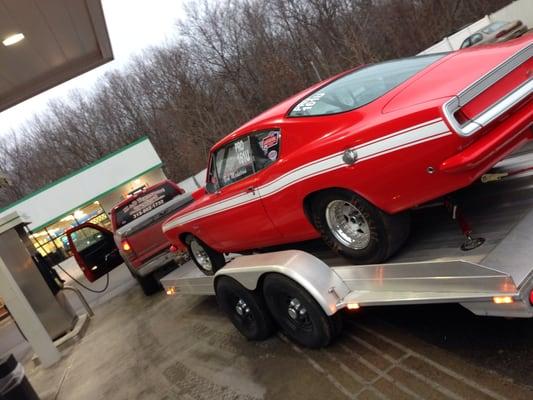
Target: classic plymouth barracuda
x: 348, y: 157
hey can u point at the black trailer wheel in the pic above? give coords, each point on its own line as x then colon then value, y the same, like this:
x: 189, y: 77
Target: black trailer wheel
x: 246, y: 309
x: 298, y: 314
x: 356, y: 229
x: 206, y: 259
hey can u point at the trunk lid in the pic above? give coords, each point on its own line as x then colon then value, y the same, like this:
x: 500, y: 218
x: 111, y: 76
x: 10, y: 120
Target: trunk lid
x: 456, y: 72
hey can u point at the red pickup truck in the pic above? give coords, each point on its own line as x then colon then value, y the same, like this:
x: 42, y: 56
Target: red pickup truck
x: 137, y: 238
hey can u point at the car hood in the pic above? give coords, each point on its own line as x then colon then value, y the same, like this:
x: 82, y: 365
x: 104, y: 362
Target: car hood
x: 453, y: 73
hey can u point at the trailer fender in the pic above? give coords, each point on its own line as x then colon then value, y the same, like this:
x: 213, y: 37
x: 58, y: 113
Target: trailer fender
x: 323, y: 283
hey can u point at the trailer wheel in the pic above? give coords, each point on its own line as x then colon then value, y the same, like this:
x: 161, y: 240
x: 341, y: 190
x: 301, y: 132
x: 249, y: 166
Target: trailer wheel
x: 206, y: 259
x: 246, y: 309
x: 354, y: 228
x: 298, y: 314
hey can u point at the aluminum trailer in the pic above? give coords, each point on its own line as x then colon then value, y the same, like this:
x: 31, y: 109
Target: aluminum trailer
x: 303, y: 292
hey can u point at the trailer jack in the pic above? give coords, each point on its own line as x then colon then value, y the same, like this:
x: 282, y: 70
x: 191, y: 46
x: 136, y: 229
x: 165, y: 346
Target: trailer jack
x: 470, y: 242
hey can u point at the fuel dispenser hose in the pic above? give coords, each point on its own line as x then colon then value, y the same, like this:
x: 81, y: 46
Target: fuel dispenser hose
x: 82, y: 285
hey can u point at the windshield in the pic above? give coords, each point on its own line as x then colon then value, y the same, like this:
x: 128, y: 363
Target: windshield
x: 145, y: 203
x: 361, y: 86
x: 493, y: 27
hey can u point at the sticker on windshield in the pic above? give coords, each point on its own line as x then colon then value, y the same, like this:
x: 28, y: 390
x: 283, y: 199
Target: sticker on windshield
x: 269, y: 141
x: 273, y: 155
x: 309, y: 102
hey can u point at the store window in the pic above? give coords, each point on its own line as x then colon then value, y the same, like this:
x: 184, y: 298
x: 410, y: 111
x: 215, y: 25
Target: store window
x: 51, y: 242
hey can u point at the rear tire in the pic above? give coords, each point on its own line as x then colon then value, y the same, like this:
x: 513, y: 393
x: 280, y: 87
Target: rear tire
x: 206, y: 259
x: 298, y: 314
x: 354, y: 228
x: 149, y: 284
x: 245, y: 309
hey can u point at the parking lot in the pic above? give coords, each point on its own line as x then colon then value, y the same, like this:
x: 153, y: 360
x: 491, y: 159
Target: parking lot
x: 182, y: 347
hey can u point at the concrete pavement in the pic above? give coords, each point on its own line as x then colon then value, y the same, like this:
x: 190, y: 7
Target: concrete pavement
x: 182, y: 347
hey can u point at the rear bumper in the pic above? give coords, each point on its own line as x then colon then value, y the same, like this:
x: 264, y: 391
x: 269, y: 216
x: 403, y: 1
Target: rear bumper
x: 155, y: 263
x: 495, y: 144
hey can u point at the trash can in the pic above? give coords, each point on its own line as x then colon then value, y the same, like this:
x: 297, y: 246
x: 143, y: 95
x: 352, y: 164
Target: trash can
x: 13, y: 383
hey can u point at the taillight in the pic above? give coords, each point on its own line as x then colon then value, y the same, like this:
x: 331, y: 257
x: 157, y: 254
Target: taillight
x: 500, y: 34
x: 126, y: 245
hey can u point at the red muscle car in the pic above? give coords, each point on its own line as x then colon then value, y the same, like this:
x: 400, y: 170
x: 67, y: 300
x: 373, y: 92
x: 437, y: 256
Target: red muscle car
x: 346, y: 158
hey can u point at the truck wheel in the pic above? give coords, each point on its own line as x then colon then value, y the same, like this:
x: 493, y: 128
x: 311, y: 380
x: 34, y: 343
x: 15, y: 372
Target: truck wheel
x: 246, y: 309
x: 355, y: 229
x: 298, y: 314
x: 208, y: 260
x: 149, y: 284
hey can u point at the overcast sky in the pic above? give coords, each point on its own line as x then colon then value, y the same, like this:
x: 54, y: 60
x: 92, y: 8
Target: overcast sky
x: 133, y: 25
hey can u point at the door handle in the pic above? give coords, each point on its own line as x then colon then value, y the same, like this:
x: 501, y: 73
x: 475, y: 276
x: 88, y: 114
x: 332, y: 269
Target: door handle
x: 250, y: 189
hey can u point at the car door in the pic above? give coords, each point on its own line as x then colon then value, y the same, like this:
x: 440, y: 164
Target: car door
x: 94, y: 249
x: 237, y: 219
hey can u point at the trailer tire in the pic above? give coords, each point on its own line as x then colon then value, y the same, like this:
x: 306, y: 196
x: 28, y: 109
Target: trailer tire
x: 356, y: 229
x: 206, y: 259
x: 245, y: 309
x: 298, y: 314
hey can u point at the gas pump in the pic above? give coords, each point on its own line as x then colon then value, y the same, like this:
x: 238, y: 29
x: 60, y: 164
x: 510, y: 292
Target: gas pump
x: 37, y: 281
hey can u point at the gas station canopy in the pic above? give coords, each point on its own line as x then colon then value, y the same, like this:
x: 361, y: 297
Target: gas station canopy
x: 45, y: 43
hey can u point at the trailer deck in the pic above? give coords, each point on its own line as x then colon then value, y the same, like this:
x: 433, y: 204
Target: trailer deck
x: 430, y: 268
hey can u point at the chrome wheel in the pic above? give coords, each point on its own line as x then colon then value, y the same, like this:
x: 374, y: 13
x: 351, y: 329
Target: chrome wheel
x: 347, y: 224
x: 201, y: 256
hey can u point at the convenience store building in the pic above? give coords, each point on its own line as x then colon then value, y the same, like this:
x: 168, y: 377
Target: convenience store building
x: 86, y: 195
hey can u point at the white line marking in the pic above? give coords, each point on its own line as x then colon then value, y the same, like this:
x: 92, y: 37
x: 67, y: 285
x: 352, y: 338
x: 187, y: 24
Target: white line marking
x: 473, y: 384
x: 412, y: 136
x: 318, y: 368
x: 411, y: 371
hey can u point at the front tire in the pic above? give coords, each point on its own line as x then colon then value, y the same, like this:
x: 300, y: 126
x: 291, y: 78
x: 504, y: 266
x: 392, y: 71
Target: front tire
x: 356, y: 229
x: 298, y: 314
x: 206, y: 259
x: 246, y: 309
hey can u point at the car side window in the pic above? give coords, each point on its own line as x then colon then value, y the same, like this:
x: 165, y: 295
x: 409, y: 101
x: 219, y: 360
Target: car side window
x: 244, y: 157
x: 265, y: 148
x: 234, y: 162
x: 476, y: 38
x: 86, y: 237
x: 466, y: 43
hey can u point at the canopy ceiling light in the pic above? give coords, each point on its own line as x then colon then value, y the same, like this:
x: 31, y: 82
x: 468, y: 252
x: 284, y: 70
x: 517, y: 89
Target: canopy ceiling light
x: 13, y: 39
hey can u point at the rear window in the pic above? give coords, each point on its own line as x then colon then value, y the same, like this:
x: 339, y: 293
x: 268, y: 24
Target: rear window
x: 145, y: 203
x: 493, y: 27
x: 361, y: 87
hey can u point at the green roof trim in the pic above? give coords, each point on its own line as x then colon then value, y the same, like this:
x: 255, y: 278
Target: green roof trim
x: 77, y: 172
x: 50, y: 222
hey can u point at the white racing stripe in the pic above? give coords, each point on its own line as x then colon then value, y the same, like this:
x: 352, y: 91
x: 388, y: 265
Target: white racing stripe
x: 412, y: 136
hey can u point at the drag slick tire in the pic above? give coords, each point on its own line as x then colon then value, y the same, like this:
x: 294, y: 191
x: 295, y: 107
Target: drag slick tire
x: 245, y: 309
x: 206, y: 259
x: 354, y: 228
x: 298, y: 314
